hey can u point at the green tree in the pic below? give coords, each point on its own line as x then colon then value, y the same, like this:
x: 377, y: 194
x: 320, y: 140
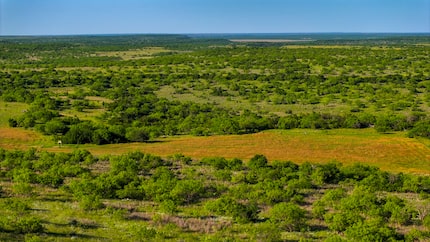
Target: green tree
x: 420, y: 129
x: 370, y: 230
x: 81, y: 133
x: 258, y: 161
x: 54, y: 127
x: 137, y: 134
x: 227, y: 206
x: 187, y: 191
x: 288, y: 216
x: 327, y: 173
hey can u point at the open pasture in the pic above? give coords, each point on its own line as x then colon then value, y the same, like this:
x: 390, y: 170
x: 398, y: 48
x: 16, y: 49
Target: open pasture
x: 391, y: 152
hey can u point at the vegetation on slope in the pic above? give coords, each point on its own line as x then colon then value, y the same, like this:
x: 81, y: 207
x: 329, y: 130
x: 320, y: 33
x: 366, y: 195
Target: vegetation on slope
x: 137, y: 196
x: 120, y: 89
x: 214, y: 89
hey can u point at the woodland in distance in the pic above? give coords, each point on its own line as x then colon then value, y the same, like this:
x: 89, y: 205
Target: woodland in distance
x: 77, y: 93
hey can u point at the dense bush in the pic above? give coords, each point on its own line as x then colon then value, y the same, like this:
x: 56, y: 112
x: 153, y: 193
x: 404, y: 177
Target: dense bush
x: 260, y: 194
x: 288, y: 216
x: 420, y: 129
x: 227, y: 206
x: 326, y: 88
x: 258, y: 161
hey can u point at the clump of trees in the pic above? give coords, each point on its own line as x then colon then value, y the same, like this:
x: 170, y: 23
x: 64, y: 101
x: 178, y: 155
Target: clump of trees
x: 327, y: 88
x: 354, y: 202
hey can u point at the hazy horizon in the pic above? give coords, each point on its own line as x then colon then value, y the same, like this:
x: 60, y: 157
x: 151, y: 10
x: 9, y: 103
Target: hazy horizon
x: 104, y: 17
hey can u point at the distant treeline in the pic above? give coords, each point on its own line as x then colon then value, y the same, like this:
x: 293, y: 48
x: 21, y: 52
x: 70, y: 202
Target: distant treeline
x: 381, y: 86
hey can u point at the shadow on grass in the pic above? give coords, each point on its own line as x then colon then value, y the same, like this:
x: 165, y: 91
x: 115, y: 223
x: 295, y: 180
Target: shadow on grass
x: 11, y: 236
x: 56, y: 199
x: 155, y: 141
x: 139, y: 216
x: 73, y: 235
x: 76, y: 224
x: 83, y: 225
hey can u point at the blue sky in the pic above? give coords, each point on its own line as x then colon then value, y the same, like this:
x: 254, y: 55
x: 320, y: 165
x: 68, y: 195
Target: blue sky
x: 62, y: 17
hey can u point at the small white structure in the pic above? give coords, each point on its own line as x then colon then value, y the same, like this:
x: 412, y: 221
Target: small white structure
x: 60, y: 143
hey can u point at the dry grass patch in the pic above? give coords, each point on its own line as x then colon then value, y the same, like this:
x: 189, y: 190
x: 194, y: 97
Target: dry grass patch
x: 16, y: 138
x: 391, y: 152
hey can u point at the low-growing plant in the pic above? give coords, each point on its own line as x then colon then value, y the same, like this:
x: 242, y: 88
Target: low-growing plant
x: 90, y: 202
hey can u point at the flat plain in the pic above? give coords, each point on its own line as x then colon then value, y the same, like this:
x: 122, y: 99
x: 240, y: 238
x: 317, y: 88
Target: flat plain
x: 182, y: 138
x: 392, y: 152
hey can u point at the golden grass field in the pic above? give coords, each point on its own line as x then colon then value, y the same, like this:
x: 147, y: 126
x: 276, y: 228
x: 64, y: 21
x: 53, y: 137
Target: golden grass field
x: 391, y: 152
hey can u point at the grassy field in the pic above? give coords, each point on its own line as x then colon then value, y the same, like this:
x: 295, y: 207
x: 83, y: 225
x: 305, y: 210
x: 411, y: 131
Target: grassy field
x: 239, y: 103
x: 392, y: 152
x: 10, y: 110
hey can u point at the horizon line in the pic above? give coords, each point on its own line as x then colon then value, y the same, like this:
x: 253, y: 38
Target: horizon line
x: 209, y: 33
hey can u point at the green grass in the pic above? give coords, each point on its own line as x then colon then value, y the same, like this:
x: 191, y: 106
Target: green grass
x: 239, y: 103
x: 10, y: 110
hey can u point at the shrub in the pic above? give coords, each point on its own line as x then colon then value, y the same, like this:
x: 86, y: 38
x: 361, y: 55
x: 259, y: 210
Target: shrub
x: 318, y: 209
x: 265, y: 232
x: 16, y: 205
x: 370, y: 230
x: 12, y: 123
x: 79, y: 134
x: 333, y: 196
x: 258, y: 161
x: 28, y: 225
x: 327, y: 173
x: 90, y: 202
x: 340, y: 221
x: 397, y: 211
x: 137, y: 134
x: 227, y: 206
x: 288, y: 216
x: 50, y: 178
x: 187, y: 191
x: 235, y: 164
x: 24, y: 175
x: 416, y: 235
x: 359, y: 171
x: 168, y: 206
x: 421, y: 129
x: 217, y: 162
x: 22, y: 188
x: 142, y: 233
x: 132, y: 190
x: 180, y: 158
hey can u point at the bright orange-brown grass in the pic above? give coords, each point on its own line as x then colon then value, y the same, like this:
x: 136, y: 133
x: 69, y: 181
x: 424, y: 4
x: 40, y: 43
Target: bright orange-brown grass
x: 392, y: 152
